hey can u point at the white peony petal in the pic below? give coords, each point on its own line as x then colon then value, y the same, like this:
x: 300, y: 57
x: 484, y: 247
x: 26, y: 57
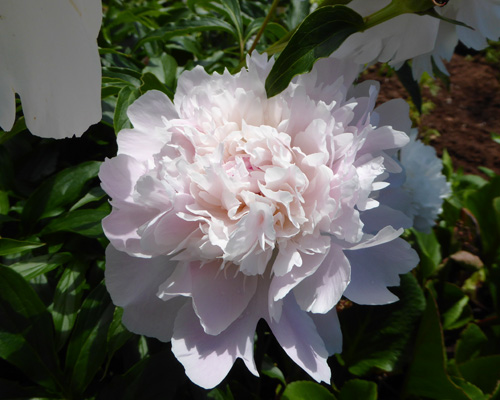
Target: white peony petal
x: 49, y: 57
x: 297, y: 334
x: 149, y: 111
x: 320, y: 292
x: 208, y: 358
x: 328, y: 327
x: 374, y: 269
x: 220, y: 296
x: 132, y: 283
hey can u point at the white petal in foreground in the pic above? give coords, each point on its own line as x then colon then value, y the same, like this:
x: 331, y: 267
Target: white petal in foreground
x: 49, y: 56
x: 132, y: 283
x: 375, y: 268
x: 207, y: 358
x: 298, y: 335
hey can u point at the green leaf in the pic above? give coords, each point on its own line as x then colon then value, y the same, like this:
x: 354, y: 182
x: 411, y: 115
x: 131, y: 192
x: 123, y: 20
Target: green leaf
x: 125, y: 98
x: 184, y: 27
x: 357, y: 389
x: 94, y: 194
x: 379, y: 337
x: 164, y: 68
x: 26, y: 331
x: 154, y: 377
x: 234, y: 13
x: 306, y: 390
x: 53, y: 196
x: 67, y: 300
x: 454, y: 306
x: 87, y: 346
x: 118, y: 335
x: 482, y: 203
x: 151, y: 82
x: 119, y: 76
x: 40, y: 265
x: 321, y: 33
x: 405, y: 75
x: 427, y: 376
x: 429, y: 251
x: 85, y: 222
x: 19, y: 126
x: 271, y: 370
x: 484, y: 372
x: 12, y: 246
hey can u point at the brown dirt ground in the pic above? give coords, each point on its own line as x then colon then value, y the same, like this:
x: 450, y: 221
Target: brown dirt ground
x: 465, y: 116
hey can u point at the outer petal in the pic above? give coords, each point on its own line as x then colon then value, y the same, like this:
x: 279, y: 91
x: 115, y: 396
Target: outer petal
x: 148, y: 111
x: 207, y: 358
x: 132, y: 283
x: 297, y: 334
x: 220, y: 296
x: 328, y: 327
x: 48, y: 54
x: 119, y: 175
x: 375, y: 268
x: 320, y: 292
x: 121, y: 227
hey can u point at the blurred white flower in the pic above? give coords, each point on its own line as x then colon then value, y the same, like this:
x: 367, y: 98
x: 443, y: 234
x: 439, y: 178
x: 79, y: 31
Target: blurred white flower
x: 394, y: 41
x: 481, y: 15
x: 421, y: 193
x: 229, y: 207
x: 49, y: 56
x: 422, y: 37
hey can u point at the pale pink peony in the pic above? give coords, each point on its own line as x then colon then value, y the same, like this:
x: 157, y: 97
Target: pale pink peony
x: 229, y: 207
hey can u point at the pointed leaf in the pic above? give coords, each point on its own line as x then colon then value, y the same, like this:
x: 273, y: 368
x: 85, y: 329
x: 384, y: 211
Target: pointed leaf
x: 26, y: 331
x: 321, y: 33
x: 67, y: 300
x: 40, y: 265
x: 305, y: 390
x: 427, y: 376
x: 358, y: 389
x: 12, y: 246
x: 378, y: 337
x: 87, y: 346
x: 57, y: 192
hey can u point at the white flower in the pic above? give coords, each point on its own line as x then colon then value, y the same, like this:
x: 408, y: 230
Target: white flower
x: 421, y: 37
x: 229, y: 207
x: 481, y: 15
x: 420, y: 195
x: 395, y: 41
x: 49, y: 56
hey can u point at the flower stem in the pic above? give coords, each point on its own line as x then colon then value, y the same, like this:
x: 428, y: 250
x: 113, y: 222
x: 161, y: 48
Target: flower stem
x: 264, y: 24
x: 395, y: 8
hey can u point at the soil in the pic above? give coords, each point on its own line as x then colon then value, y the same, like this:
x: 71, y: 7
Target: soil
x: 465, y: 116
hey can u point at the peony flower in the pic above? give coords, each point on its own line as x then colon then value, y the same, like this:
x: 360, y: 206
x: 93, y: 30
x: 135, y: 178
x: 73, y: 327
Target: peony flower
x: 395, y: 41
x: 421, y: 37
x: 421, y: 193
x: 229, y: 207
x: 49, y: 56
x: 481, y: 15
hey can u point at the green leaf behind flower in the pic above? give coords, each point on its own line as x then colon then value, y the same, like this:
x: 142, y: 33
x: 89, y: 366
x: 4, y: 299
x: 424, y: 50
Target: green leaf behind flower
x: 319, y: 35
